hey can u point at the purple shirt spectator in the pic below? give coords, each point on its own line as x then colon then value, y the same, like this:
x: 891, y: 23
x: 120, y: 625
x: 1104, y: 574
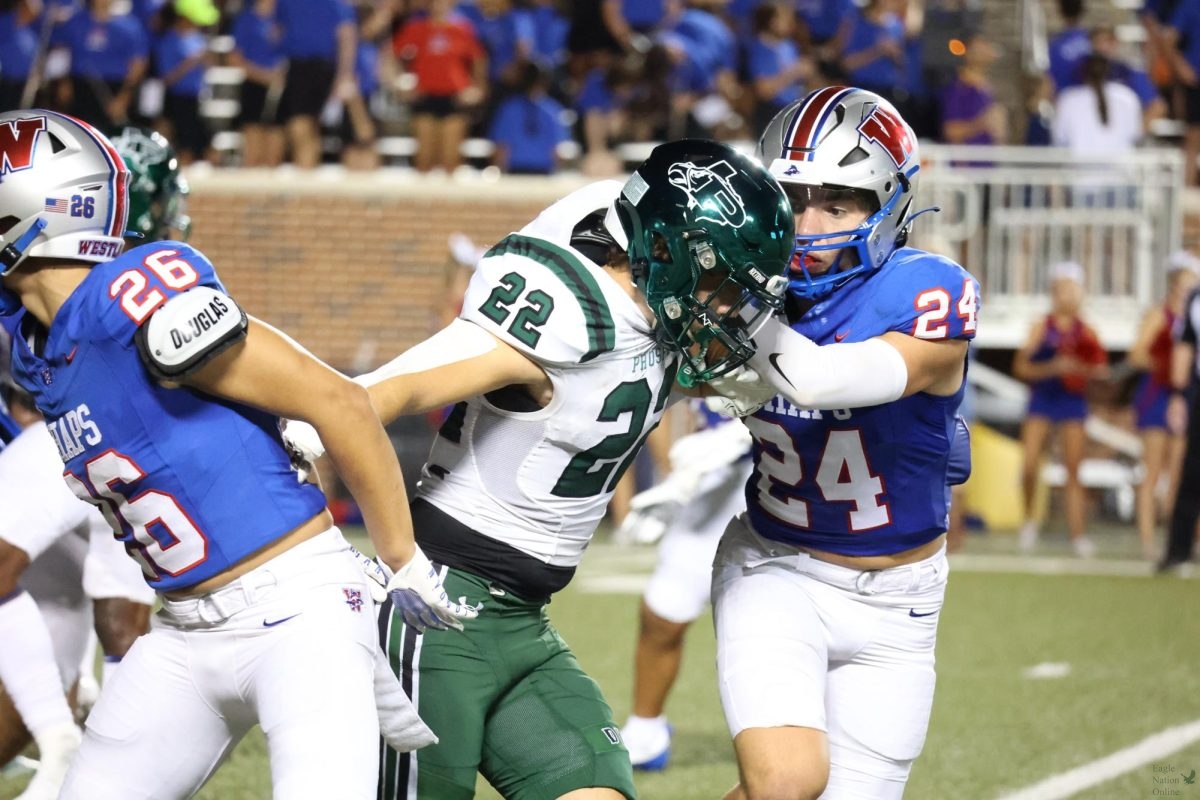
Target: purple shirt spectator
x: 962, y: 102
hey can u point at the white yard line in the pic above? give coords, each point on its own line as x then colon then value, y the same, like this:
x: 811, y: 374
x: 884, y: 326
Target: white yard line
x: 1073, y: 782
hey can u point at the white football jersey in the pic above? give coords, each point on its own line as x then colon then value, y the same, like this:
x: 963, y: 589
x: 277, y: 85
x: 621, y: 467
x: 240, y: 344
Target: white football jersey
x: 539, y: 479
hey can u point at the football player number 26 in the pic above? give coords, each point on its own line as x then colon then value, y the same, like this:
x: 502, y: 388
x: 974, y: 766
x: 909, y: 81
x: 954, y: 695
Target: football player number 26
x: 138, y: 298
x: 167, y: 541
x: 843, y: 473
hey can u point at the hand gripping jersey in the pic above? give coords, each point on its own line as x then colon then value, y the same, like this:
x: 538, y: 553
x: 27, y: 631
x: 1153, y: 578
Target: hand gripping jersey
x: 189, y: 483
x: 866, y: 481
x: 539, y: 479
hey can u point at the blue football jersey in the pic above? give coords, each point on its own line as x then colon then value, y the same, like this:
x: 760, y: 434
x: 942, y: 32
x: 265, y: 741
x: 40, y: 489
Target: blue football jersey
x: 866, y: 481
x: 191, y: 484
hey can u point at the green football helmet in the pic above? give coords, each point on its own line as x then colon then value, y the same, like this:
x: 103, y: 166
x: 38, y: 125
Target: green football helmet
x: 157, y: 189
x: 710, y: 237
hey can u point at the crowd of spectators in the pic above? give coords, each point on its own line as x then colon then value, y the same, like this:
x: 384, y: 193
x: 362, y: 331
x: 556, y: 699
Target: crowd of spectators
x: 529, y: 75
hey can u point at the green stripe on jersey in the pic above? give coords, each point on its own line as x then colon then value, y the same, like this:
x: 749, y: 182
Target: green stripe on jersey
x: 571, y: 271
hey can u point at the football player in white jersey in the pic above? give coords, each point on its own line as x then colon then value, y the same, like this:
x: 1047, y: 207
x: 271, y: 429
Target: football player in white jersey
x: 572, y: 336
x: 827, y: 592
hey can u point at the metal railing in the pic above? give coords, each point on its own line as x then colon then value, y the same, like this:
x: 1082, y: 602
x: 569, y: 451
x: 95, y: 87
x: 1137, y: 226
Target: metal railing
x: 1009, y: 213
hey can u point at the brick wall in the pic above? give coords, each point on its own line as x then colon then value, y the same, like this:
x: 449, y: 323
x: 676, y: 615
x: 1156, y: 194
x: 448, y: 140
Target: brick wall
x: 350, y: 266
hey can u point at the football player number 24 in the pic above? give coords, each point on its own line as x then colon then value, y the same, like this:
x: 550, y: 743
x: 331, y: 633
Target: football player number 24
x: 843, y: 473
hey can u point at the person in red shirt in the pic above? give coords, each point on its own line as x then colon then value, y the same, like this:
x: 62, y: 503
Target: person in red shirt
x: 450, y: 65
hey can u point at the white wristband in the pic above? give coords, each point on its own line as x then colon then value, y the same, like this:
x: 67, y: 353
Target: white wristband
x: 853, y: 375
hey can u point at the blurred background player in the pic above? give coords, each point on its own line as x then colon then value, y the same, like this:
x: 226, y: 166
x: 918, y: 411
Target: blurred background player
x: 35, y: 514
x: 687, y: 511
x: 1162, y: 448
x: 1061, y: 355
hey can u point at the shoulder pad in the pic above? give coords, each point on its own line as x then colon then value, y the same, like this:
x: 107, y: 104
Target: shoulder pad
x: 188, y: 330
x: 542, y: 299
x: 929, y: 296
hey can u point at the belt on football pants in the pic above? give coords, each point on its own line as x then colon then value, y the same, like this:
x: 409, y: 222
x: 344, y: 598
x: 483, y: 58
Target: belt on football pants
x: 902, y: 579
x: 215, y: 607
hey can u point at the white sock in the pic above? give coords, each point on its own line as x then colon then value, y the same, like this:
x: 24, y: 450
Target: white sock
x: 107, y: 668
x: 27, y: 665
x: 641, y: 722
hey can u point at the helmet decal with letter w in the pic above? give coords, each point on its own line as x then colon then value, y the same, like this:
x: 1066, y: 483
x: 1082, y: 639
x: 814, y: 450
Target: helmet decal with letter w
x: 63, y: 192
x: 710, y: 235
x: 843, y: 138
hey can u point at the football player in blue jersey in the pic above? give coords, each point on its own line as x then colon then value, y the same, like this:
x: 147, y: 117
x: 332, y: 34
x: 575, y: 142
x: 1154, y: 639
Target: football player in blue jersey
x: 827, y: 592
x: 163, y: 398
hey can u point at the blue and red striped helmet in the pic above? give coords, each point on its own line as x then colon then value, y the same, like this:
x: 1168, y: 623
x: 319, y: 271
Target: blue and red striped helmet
x: 839, y: 137
x: 63, y: 190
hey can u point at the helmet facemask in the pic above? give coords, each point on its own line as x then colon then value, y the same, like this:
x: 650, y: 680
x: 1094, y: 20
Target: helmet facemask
x: 706, y: 307
x: 859, y: 248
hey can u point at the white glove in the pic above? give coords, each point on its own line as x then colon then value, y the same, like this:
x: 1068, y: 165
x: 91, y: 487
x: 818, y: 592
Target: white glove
x: 417, y: 593
x: 651, y: 512
x: 304, y: 446
x: 740, y: 392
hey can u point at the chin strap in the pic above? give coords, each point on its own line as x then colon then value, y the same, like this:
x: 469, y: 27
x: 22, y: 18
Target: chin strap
x: 11, y: 254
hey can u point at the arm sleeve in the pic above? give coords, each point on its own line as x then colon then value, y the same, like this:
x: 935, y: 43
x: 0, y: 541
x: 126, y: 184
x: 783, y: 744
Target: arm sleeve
x: 850, y: 375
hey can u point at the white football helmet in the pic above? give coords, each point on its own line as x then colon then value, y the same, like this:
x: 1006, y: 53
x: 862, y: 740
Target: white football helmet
x: 63, y: 192
x: 840, y: 137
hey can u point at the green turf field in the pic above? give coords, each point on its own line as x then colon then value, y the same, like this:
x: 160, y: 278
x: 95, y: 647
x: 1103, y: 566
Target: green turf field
x: 1122, y: 650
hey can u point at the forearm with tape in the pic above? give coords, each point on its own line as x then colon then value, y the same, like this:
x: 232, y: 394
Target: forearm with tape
x: 808, y: 375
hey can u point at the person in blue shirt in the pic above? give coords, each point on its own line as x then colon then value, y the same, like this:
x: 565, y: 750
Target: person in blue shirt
x: 874, y: 56
x: 528, y: 127
x: 825, y: 31
x: 1069, y: 45
x: 21, y: 28
x: 257, y: 49
x: 827, y: 592
x: 164, y: 400
x: 773, y: 62
x: 320, y: 43
x: 109, y: 57
x: 181, y: 56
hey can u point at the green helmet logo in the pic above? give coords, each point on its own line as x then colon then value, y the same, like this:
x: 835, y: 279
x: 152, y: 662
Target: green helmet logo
x: 722, y: 206
x: 710, y: 235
